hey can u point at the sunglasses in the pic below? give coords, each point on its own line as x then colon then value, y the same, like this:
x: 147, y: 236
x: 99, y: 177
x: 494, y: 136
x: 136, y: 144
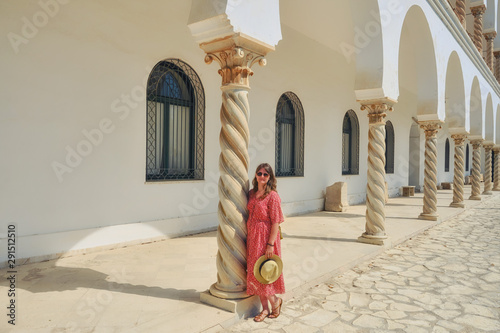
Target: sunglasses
x: 260, y: 174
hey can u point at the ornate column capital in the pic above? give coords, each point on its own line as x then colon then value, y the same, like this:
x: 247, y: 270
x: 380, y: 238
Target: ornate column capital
x: 478, y: 10
x: 496, y: 54
x: 496, y: 150
x: 488, y: 146
x: 235, y: 64
x: 430, y: 127
x: 376, y: 111
x: 476, y: 144
x: 490, y: 36
x: 459, y: 139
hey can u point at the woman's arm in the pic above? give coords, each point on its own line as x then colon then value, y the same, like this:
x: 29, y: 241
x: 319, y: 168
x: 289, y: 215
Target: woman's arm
x: 272, y: 240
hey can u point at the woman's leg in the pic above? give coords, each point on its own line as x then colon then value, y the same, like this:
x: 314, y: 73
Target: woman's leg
x: 265, y: 309
x: 276, y: 303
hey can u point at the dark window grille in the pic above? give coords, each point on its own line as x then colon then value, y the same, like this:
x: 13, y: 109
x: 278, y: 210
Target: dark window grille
x: 289, y: 136
x: 447, y: 156
x: 175, y: 123
x: 467, y: 157
x: 350, y: 144
x: 389, y: 147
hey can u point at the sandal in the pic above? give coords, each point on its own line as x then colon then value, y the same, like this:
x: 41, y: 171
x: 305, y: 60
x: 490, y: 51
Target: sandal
x: 261, y: 316
x: 277, y: 311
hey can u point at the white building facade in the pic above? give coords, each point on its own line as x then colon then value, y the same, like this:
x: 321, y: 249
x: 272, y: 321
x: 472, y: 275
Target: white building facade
x: 111, y: 118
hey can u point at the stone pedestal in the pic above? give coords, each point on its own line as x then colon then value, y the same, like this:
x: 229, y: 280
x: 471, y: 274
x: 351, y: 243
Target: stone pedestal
x: 336, y: 197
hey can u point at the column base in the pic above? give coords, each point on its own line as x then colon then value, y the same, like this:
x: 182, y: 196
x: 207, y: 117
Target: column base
x: 496, y: 189
x: 227, y: 294
x: 487, y: 193
x: 457, y: 204
x: 375, y: 240
x: 429, y: 216
x: 475, y: 197
x: 243, y: 307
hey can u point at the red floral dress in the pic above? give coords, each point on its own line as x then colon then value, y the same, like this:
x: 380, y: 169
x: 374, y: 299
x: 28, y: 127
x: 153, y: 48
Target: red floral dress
x: 262, y: 213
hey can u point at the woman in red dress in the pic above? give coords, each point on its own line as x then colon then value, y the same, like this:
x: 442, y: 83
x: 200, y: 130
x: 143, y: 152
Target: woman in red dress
x: 264, y: 217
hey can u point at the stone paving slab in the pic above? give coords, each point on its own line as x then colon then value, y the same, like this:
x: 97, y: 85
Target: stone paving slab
x: 156, y: 287
x: 446, y: 279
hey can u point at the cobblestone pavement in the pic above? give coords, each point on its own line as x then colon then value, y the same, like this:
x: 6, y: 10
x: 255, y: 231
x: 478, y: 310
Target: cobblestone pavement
x: 444, y: 280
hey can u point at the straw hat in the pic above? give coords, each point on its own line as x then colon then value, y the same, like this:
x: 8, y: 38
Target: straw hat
x: 267, y: 271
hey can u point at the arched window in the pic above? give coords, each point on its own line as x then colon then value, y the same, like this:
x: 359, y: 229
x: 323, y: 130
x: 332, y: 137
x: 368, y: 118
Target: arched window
x: 389, y: 147
x: 447, y: 156
x: 289, y: 136
x: 175, y: 122
x: 467, y: 157
x: 350, y: 144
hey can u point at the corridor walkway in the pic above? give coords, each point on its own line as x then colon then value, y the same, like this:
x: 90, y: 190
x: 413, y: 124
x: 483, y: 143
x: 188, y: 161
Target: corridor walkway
x: 156, y: 287
x: 446, y: 279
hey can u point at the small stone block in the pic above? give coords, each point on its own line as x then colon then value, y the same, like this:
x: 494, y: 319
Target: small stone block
x: 447, y: 186
x: 336, y: 197
x: 408, y: 191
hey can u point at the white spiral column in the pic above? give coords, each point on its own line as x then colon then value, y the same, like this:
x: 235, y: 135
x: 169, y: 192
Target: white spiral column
x: 476, y: 170
x: 488, y: 186
x: 458, y: 172
x: 496, y: 184
x: 234, y: 137
x: 375, y: 187
x: 430, y: 172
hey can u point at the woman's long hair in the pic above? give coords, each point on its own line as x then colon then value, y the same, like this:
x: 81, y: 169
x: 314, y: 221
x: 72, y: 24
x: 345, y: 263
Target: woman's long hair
x: 272, y: 183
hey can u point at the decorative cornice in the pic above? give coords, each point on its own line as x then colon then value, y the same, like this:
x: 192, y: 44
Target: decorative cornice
x: 452, y: 23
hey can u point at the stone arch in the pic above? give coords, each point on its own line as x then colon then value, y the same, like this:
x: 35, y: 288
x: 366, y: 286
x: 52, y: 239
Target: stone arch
x: 418, y: 74
x: 476, y: 111
x: 489, y: 124
x: 368, y: 44
x: 455, y: 106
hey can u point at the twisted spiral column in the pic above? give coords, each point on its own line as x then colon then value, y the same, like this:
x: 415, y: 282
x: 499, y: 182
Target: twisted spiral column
x: 497, y: 65
x: 233, y: 166
x: 488, y: 186
x: 476, y: 166
x: 478, y: 26
x: 496, y: 185
x: 490, y: 37
x: 375, y: 187
x: 460, y: 10
x: 458, y: 172
x: 430, y: 172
